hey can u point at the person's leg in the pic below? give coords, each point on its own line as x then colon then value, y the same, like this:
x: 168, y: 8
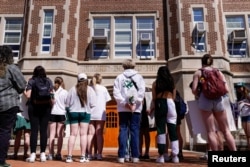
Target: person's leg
x: 123, y: 135
x: 147, y: 143
x: 52, y: 133
x: 209, y: 121
x: 26, y: 143
x: 91, y: 133
x: 60, y: 134
x: 141, y: 138
x: 180, y: 139
x: 18, y: 136
x: 99, y: 137
x: 44, y: 121
x: 134, y: 132
x: 83, y: 137
x: 221, y: 118
x: 72, y: 138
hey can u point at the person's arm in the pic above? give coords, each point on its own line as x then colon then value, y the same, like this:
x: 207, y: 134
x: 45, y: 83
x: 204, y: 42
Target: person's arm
x: 224, y: 79
x: 152, y: 106
x: 196, y: 77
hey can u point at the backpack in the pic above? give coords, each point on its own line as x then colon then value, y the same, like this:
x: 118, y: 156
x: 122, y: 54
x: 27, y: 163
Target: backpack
x: 212, y: 85
x: 181, y: 106
x: 42, y: 91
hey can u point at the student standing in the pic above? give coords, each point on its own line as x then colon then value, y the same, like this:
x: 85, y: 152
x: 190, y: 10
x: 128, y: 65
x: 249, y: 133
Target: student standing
x: 39, y: 111
x: 57, y: 119
x: 129, y: 89
x: 212, y: 109
x: 163, y: 93
x: 80, y: 101
x: 98, y: 116
x: 12, y: 83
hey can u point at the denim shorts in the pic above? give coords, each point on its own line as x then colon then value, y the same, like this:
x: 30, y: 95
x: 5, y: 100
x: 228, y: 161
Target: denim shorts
x: 245, y: 119
x: 78, y: 117
x: 215, y: 105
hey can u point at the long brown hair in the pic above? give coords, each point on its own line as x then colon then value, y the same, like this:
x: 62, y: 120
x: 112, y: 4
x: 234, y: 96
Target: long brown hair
x: 81, y: 89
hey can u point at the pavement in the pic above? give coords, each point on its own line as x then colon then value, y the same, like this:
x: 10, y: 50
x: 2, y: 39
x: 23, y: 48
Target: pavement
x: 191, y: 159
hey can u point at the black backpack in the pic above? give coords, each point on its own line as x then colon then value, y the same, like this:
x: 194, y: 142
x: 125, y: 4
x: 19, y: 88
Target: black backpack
x: 41, y: 90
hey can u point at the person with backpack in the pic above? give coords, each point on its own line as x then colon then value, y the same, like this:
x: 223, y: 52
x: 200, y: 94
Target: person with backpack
x: 210, y: 102
x: 40, y: 93
x: 12, y: 83
x: 129, y: 89
x: 57, y: 119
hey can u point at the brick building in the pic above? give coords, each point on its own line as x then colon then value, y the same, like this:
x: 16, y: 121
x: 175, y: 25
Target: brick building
x: 72, y: 36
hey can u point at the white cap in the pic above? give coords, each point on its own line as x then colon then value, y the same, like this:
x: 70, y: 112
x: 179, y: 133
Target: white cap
x: 82, y: 76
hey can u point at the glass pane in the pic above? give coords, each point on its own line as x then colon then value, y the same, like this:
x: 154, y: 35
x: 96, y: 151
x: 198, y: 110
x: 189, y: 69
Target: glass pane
x: 12, y: 37
x: 235, y: 22
x: 47, y: 30
x: 46, y: 41
x: 13, y: 24
x: 123, y: 53
x: 145, y: 23
x: 123, y: 47
x: 145, y: 53
x: 100, y: 53
x: 48, y: 16
x: 198, y: 14
x: 123, y: 23
x: 46, y: 48
x: 102, y: 23
x: 123, y: 36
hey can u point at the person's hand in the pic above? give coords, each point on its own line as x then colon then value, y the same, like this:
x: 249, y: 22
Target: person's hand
x: 130, y: 106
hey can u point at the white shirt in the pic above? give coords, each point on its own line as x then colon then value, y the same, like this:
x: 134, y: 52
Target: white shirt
x: 102, y: 97
x: 74, y: 104
x: 60, y: 101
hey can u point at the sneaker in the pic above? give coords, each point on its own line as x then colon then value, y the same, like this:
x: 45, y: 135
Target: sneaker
x: 58, y: 157
x: 69, y: 159
x: 84, y: 159
x: 175, y: 159
x: 166, y: 158
x: 90, y: 157
x: 160, y: 159
x: 120, y: 160
x: 135, y: 160
x: 32, y: 157
x: 127, y: 158
x: 99, y: 157
x: 180, y: 155
x: 14, y: 156
x: 43, y: 157
x: 50, y: 157
x: 5, y: 165
x: 204, y: 157
x: 145, y: 156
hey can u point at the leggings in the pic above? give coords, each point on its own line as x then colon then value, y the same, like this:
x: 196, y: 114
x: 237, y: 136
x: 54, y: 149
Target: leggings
x: 39, y: 118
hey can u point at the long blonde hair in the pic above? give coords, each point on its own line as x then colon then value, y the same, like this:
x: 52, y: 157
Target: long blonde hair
x: 97, y: 79
x: 81, y: 89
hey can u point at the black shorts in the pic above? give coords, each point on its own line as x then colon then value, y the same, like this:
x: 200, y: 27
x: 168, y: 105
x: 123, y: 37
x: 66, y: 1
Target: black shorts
x: 57, y: 118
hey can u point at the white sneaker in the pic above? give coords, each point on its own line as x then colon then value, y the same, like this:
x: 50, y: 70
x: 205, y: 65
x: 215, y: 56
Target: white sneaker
x: 50, y: 157
x: 127, y: 158
x: 69, y: 159
x: 32, y: 158
x: 42, y: 157
x: 175, y: 159
x: 84, y: 159
x: 135, y: 160
x: 160, y: 159
x: 120, y: 160
x: 99, y: 157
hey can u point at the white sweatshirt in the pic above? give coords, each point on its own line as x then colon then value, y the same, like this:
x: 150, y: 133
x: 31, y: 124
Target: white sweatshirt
x: 60, y: 101
x: 124, y: 89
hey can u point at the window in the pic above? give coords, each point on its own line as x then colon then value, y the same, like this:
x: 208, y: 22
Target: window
x: 132, y: 37
x: 145, y: 37
x: 236, y: 44
x: 101, y: 37
x: 12, y: 35
x: 199, y: 35
x: 47, y: 31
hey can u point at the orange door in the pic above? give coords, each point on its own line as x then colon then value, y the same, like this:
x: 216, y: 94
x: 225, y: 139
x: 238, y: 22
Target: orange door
x: 111, y: 130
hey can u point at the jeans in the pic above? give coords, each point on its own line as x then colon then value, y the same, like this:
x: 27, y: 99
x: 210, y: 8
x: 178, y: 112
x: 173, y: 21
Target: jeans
x: 129, y: 122
x: 7, y: 121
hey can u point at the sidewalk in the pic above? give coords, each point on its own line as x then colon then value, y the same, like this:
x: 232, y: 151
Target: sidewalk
x: 191, y: 159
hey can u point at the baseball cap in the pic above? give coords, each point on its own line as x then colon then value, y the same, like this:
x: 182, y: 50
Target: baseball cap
x: 82, y: 76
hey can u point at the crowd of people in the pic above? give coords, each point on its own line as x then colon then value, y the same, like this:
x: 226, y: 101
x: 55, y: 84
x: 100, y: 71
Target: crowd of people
x: 83, y: 107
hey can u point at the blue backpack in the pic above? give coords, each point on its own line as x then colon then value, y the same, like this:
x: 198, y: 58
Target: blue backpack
x: 180, y: 105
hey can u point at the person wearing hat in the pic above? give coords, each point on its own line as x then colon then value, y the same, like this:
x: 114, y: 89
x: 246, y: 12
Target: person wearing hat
x: 80, y: 101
